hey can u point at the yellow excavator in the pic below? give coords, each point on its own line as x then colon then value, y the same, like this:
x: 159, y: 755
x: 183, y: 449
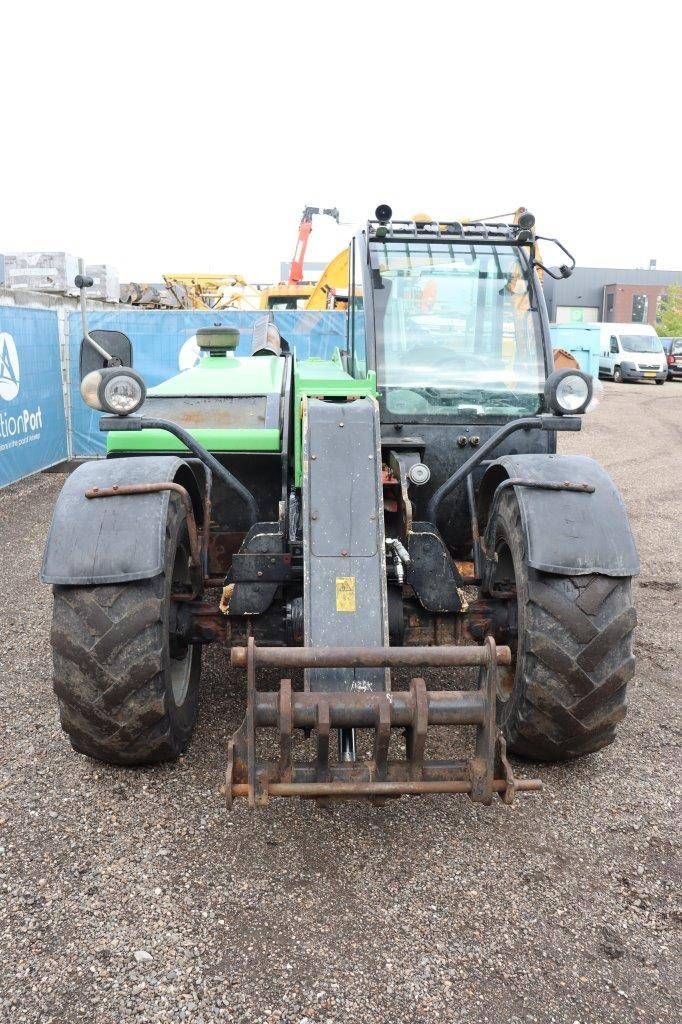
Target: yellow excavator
x: 331, y: 291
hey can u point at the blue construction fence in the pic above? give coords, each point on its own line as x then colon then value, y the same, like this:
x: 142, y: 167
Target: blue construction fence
x: 43, y: 419
x: 33, y: 432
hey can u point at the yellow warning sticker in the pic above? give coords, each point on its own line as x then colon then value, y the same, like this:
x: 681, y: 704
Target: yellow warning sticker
x: 345, y: 593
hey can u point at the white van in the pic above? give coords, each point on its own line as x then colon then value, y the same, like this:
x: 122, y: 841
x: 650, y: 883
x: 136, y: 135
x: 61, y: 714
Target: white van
x: 631, y: 352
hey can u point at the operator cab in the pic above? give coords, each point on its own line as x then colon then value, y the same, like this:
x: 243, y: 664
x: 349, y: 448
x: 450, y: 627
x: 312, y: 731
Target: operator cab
x: 454, y: 331
x: 450, y: 317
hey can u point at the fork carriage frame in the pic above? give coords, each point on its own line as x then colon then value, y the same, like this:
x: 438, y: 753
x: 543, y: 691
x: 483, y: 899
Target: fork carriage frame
x: 486, y: 772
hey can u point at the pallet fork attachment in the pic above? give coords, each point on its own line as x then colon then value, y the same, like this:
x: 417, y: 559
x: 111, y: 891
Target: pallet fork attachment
x: 485, y: 773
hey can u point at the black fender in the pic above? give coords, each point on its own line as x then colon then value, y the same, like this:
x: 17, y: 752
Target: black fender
x: 117, y: 539
x: 570, y: 533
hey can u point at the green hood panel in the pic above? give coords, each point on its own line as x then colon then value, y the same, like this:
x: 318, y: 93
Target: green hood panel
x: 327, y: 378
x: 226, y: 375
x: 228, y: 404
x: 232, y: 404
x: 214, y: 440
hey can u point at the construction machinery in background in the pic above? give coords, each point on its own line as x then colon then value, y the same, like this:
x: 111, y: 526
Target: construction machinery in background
x: 212, y: 291
x: 294, y: 293
x: 331, y: 290
x: 396, y: 509
x: 284, y: 296
x: 192, y: 291
x: 231, y: 291
x: 296, y: 268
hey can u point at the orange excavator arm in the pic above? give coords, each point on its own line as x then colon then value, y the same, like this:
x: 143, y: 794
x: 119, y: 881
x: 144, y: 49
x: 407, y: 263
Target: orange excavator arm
x: 304, y: 229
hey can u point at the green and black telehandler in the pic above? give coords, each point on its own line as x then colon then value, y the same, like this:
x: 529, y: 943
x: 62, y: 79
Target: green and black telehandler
x: 398, y: 505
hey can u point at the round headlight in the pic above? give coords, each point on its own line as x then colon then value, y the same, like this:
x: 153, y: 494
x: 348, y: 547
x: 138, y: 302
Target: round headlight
x: 115, y: 389
x: 123, y: 393
x: 568, y: 391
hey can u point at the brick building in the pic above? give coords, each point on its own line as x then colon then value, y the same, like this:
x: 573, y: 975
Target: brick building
x: 609, y: 294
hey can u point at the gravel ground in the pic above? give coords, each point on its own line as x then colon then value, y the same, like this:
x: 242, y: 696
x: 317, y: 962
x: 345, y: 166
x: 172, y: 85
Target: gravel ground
x: 136, y: 896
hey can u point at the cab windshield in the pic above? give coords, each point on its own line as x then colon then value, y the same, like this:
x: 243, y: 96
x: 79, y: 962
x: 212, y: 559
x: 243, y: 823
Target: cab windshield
x: 456, y: 335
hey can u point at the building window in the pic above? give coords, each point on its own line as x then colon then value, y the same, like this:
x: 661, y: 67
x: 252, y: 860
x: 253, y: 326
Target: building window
x: 609, y: 306
x: 577, y: 314
x: 640, y: 309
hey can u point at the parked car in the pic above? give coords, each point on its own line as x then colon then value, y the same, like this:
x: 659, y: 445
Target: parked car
x: 673, y: 353
x: 632, y: 352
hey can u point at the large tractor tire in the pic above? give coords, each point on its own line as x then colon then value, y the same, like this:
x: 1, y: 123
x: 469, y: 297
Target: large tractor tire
x: 566, y: 692
x: 127, y: 688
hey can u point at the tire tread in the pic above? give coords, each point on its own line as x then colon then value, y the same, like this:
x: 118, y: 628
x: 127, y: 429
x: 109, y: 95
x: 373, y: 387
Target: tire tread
x: 576, y: 660
x: 108, y: 645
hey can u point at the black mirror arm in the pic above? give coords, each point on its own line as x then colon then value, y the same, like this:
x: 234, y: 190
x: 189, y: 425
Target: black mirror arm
x: 564, y: 270
x: 110, y: 360
x: 526, y: 423
x: 82, y: 282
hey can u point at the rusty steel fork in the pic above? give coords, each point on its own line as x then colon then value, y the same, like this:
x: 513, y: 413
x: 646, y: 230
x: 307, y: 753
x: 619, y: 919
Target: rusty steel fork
x: 485, y: 773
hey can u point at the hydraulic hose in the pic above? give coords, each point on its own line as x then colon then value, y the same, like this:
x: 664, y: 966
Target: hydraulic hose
x: 142, y: 423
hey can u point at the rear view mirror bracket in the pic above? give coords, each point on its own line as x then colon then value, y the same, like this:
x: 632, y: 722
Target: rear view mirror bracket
x: 556, y: 273
x: 99, y: 349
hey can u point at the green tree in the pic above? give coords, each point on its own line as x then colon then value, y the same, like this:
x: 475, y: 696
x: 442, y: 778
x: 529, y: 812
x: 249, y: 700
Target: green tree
x: 670, y: 321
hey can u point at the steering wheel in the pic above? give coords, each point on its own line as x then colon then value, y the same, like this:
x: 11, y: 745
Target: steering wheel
x: 437, y: 355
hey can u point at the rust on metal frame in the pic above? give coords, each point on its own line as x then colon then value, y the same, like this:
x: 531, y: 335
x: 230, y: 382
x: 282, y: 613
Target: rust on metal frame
x: 316, y: 790
x: 206, y: 623
x: 367, y: 657
x: 403, y: 709
x: 387, y: 475
x: 486, y: 773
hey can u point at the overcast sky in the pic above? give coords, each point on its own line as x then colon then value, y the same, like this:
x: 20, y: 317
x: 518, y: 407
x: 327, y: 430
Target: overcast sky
x: 186, y: 137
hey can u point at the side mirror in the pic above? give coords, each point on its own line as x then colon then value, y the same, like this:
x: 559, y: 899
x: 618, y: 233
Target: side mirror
x: 99, y: 349
x: 556, y: 273
x: 117, y: 345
